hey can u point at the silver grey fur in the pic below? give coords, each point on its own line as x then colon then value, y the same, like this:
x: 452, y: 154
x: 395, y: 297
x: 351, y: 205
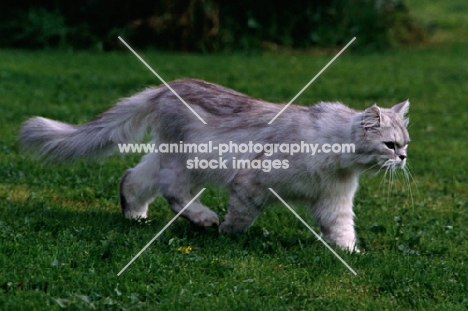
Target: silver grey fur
x: 325, y: 182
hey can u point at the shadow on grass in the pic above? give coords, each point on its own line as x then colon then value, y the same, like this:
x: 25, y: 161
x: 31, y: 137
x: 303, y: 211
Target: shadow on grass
x: 52, y: 222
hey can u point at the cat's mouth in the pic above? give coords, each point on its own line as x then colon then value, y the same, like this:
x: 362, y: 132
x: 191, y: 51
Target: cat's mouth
x: 393, y: 164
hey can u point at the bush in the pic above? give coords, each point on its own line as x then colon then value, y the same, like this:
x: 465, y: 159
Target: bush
x: 211, y: 25
x: 37, y: 28
x: 324, y: 23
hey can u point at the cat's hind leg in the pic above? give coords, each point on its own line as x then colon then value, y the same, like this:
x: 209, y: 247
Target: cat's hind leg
x: 196, y: 212
x: 178, y: 189
x: 139, y: 186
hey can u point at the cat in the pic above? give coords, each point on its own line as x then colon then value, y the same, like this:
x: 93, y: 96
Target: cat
x: 325, y: 182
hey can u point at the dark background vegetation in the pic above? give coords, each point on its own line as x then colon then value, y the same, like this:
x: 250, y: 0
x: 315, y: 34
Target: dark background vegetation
x: 207, y: 26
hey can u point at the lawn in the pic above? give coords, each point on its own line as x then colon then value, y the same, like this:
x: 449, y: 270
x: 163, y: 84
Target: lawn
x: 63, y: 239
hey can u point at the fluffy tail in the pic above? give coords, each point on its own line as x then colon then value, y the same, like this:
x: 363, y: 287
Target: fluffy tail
x: 57, y: 141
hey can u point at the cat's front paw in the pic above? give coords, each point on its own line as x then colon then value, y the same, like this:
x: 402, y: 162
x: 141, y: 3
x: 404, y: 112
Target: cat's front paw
x: 228, y: 227
x: 349, y: 246
x: 355, y: 250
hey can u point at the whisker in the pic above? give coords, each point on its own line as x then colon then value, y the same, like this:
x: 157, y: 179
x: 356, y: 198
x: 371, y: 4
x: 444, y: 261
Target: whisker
x: 392, y: 180
x: 410, y: 174
x: 384, y: 175
x: 369, y: 168
x: 405, y: 171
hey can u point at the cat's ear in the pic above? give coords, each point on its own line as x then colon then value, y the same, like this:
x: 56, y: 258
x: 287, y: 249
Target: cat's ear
x: 401, y: 108
x: 371, y: 117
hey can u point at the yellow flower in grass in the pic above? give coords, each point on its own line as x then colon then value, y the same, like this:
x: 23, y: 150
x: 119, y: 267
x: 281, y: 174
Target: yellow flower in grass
x: 185, y: 249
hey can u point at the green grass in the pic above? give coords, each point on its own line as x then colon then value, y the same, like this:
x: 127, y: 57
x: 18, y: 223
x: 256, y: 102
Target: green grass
x: 63, y: 240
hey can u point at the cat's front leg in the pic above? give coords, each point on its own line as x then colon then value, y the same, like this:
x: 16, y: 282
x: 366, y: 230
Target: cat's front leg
x: 240, y: 216
x: 245, y: 205
x: 336, y: 219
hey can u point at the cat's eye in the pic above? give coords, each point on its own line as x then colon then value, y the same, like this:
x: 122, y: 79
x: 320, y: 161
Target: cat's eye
x: 390, y: 144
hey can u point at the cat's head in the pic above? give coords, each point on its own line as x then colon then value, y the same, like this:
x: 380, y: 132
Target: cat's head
x: 382, y: 136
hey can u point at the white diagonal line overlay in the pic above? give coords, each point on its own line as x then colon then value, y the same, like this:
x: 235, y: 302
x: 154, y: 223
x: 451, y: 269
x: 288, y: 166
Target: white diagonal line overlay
x: 160, y: 232
x: 162, y: 80
x: 310, y: 82
x: 312, y: 230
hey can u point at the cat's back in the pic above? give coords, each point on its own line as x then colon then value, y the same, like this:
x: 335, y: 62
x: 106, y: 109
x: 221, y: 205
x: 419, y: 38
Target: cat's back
x: 331, y: 112
x: 213, y: 98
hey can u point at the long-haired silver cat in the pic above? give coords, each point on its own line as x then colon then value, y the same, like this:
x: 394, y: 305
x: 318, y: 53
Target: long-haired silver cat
x: 326, y: 182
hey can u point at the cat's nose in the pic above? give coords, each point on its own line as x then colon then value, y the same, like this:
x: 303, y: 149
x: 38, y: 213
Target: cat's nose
x: 402, y: 157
